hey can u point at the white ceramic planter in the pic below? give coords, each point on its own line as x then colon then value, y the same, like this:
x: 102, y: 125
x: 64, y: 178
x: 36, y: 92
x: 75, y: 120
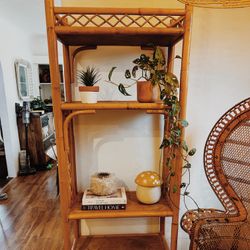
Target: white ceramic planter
x: 88, y: 94
x: 148, y: 195
x: 88, y: 97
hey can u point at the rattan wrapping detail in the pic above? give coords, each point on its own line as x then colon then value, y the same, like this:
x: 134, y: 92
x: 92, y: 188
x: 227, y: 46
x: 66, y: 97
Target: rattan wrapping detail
x: 227, y: 166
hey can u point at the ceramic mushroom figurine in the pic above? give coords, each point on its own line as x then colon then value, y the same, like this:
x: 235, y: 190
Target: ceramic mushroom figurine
x: 148, y: 189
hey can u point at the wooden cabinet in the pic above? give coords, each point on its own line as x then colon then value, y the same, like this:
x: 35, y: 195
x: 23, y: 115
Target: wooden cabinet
x: 40, y: 132
x: 80, y: 29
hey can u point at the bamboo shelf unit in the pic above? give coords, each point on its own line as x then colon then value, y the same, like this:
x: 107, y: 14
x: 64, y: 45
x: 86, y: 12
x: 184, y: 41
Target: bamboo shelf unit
x: 88, y: 28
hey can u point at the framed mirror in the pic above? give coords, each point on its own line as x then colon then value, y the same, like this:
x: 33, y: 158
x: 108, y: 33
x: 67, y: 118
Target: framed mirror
x: 24, y: 79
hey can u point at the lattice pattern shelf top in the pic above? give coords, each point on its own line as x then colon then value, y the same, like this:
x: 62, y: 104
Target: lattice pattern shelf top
x: 112, y: 26
x: 119, y: 20
x: 130, y: 18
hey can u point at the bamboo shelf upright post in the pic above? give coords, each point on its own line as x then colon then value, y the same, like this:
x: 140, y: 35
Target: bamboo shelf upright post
x: 77, y: 29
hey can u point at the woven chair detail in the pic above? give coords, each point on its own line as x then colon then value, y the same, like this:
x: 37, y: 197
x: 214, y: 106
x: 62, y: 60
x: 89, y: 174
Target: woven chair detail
x: 227, y: 167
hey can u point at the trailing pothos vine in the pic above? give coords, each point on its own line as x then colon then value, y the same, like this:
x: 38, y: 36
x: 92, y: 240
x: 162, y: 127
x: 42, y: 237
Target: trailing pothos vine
x: 154, y: 68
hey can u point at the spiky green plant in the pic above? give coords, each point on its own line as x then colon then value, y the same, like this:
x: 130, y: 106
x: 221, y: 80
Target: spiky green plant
x: 88, y: 77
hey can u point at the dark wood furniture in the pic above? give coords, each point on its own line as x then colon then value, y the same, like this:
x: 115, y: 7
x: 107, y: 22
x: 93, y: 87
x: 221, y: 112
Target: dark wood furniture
x: 40, y: 132
x: 227, y: 166
x: 3, y: 165
x: 128, y: 27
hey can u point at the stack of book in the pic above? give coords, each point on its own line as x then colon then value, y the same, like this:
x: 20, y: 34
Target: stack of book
x: 115, y: 201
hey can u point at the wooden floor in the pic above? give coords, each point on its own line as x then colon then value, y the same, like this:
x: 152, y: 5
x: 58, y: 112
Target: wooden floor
x: 30, y: 218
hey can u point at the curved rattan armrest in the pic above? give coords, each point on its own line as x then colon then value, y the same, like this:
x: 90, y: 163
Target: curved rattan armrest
x: 191, y: 217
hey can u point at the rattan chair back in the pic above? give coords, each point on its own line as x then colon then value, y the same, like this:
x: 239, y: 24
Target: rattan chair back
x: 227, y: 159
x: 227, y: 167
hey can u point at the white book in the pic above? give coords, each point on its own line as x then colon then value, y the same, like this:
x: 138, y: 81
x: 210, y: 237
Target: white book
x: 119, y: 197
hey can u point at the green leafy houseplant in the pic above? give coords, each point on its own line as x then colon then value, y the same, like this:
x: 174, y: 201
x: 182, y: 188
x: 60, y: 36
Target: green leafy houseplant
x: 88, y: 78
x: 143, y: 63
x: 151, y: 69
x: 154, y: 69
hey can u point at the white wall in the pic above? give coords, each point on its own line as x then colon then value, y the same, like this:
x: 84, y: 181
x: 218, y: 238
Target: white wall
x: 14, y: 44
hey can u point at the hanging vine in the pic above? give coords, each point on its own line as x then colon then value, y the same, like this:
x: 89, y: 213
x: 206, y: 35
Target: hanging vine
x: 154, y: 68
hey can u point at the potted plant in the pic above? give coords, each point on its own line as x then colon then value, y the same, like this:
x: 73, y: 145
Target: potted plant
x: 148, y: 89
x: 88, y: 78
x: 153, y: 77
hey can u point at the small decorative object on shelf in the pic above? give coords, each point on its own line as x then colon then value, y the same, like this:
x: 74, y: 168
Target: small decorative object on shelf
x: 115, y: 201
x: 148, y: 188
x: 88, y: 78
x: 103, y: 183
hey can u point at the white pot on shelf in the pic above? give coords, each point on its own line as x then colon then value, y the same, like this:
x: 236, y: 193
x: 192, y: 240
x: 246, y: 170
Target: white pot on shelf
x: 88, y: 94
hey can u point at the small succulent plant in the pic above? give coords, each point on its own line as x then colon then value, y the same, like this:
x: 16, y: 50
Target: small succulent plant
x: 88, y: 77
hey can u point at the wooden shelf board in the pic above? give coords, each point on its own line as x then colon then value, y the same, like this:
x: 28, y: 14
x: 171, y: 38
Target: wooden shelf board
x: 112, y: 105
x: 93, y: 36
x: 121, y: 242
x: 134, y: 209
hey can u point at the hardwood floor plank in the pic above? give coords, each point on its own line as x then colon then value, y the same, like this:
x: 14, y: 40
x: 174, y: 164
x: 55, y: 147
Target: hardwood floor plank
x: 30, y: 218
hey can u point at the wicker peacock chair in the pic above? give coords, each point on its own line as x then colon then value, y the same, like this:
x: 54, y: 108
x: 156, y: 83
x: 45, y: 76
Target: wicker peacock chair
x: 227, y: 166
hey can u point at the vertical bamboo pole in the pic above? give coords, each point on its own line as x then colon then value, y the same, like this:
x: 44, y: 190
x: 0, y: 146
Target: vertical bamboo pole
x: 170, y: 61
x: 165, y: 172
x: 67, y: 77
x: 68, y: 80
x: 170, y: 69
x: 183, y: 101
x: 56, y: 98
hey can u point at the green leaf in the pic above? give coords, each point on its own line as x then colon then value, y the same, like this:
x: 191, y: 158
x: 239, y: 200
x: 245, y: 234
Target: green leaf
x: 185, y: 146
x: 122, y: 89
x: 171, y: 79
x: 127, y: 74
x: 184, y: 123
x: 183, y: 184
x: 176, y: 108
x: 168, y: 162
x: 188, y: 165
x: 143, y: 59
x: 192, y: 152
x: 176, y: 132
x: 175, y: 188
x: 111, y: 72
x: 136, y: 61
x: 135, y: 68
x: 159, y: 56
x: 163, y: 94
x: 165, y: 143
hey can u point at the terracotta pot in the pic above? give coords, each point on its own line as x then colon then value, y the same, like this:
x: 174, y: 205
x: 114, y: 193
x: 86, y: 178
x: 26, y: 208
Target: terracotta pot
x: 144, y: 91
x: 88, y: 94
